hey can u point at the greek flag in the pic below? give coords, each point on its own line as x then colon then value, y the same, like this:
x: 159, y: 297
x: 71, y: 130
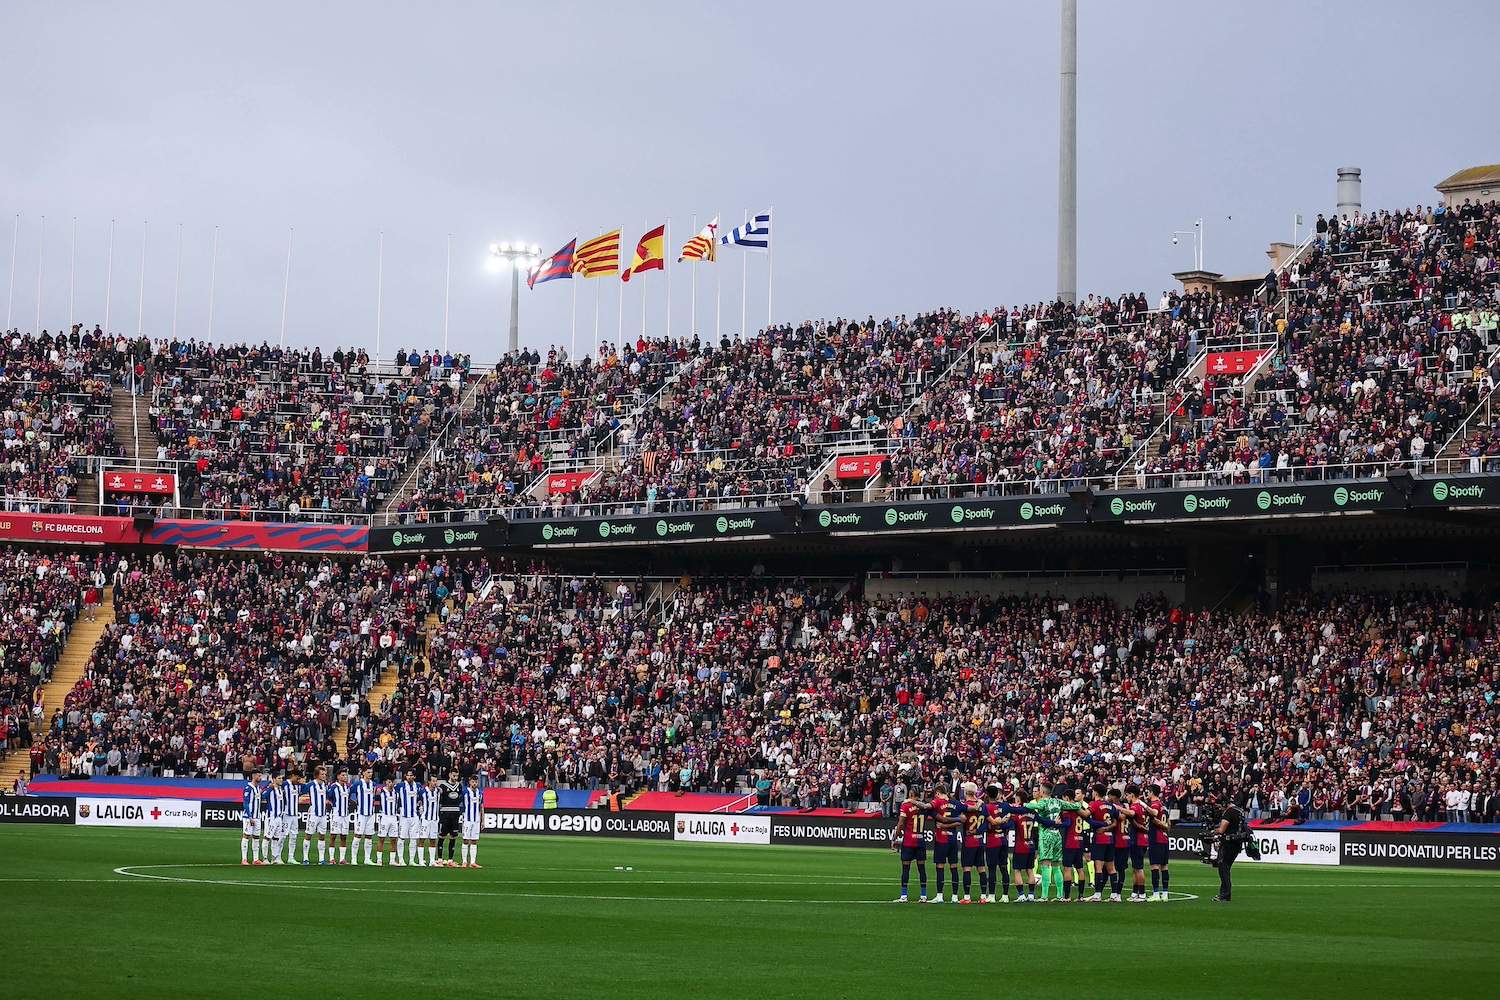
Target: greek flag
x: 753, y: 235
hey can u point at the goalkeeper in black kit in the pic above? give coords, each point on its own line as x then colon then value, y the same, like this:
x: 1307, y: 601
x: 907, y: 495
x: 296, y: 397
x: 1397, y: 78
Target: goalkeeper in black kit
x: 450, y: 809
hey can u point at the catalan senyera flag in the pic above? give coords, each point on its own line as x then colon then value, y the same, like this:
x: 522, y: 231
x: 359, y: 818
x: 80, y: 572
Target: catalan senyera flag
x: 701, y: 247
x: 599, y: 256
x: 650, y: 253
x: 559, y: 265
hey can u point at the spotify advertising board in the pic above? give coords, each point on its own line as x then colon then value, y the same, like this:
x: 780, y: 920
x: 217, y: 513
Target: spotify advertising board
x: 1267, y: 500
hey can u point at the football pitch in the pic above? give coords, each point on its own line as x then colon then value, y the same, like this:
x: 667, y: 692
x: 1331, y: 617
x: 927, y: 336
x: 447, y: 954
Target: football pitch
x: 127, y: 913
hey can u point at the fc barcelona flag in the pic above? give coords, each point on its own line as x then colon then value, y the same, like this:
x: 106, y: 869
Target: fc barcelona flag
x: 650, y: 253
x: 599, y: 256
x: 559, y: 265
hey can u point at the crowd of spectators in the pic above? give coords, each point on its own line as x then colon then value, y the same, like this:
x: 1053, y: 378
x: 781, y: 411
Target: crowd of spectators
x: 220, y: 663
x: 1331, y: 704
x: 1064, y: 394
x: 1385, y: 349
x: 266, y: 432
x: 42, y: 593
x: 55, y: 394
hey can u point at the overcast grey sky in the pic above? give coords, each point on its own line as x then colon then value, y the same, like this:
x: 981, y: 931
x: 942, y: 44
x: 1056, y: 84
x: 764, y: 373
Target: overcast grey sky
x: 910, y: 150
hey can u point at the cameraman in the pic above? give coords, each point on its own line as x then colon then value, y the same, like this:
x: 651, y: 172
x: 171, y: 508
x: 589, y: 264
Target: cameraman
x: 1231, y: 834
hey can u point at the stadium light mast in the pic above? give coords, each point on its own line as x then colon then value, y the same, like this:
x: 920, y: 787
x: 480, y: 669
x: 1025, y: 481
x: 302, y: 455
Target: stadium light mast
x: 1067, y: 158
x: 518, y: 257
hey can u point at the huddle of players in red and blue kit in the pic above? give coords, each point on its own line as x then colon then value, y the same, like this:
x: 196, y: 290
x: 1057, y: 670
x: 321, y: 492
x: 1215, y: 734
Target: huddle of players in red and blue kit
x: 1062, y: 843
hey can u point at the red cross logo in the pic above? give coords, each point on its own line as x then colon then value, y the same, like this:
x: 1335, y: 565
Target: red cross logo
x: 155, y: 813
x: 735, y: 830
x: 1291, y: 847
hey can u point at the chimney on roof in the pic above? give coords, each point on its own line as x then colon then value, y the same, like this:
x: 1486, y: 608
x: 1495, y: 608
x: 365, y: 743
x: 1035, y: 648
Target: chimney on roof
x: 1348, y: 192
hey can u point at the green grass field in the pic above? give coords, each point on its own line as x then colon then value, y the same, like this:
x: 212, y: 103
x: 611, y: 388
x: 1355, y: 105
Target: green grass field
x: 126, y: 913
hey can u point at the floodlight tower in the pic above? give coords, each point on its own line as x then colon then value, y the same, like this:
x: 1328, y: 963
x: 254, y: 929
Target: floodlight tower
x: 1067, y: 158
x: 518, y: 257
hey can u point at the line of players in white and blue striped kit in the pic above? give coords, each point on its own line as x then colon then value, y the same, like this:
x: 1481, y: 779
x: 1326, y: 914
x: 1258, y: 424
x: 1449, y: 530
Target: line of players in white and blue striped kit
x: 401, y: 818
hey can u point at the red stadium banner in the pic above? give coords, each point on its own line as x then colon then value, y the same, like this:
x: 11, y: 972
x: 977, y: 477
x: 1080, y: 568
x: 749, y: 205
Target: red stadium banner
x: 858, y: 466
x: 68, y: 528
x: 153, y: 483
x: 1233, y: 362
x: 567, y: 482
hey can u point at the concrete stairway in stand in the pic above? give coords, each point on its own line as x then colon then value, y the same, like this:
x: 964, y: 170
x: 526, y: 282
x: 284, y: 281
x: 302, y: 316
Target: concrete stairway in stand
x: 385, y: 684
x: 69, y: 669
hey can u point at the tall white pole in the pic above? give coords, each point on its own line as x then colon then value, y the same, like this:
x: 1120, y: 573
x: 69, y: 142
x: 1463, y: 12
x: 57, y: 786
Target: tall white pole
x: 666, y: 265
x: 41, y: 238
x: 140, y: 304
x: 620, y: 288
x: 72, y: 262
x: 642, y: 283
x: 213, y: 280
x: 10, y: 295
x: 1202, y: 233
x: 1067, y: 158
x: 598, y: 293
x: 693, y: 325
x: 109, y: 277
x: 177, y: 282
x: 718, y: 290
x: 447, y: 286
x: 744, y: 285
x: 770, y: 249
x: 286, y: 283
x: 573, y: 341
x: 379, y: 292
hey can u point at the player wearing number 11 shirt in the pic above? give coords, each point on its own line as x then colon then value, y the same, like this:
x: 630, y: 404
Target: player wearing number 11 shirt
x: 909, y: 837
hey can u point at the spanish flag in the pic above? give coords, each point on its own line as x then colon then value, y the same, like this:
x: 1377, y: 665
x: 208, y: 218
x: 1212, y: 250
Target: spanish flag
x: 701, y: 247
x: 599, y: 256
x: 650, y: 253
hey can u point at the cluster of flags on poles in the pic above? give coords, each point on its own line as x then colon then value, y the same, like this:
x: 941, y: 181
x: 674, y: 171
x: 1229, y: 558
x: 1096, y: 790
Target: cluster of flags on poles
x: 600, y: 256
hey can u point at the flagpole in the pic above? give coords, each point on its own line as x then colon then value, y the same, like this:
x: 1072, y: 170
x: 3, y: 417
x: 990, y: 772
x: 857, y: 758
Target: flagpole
x: 109, y: 279
x: 620, y: 319
x: 718, y: 290
x: 693, y: 326
x: 573, y: 342
x: 666, y: 266
x: 645, y: 228
x: 744, y: 282
x: 41, y: 239
x: 286, y: 283
x: 72, y: 263
x: 213, y: 280
x: 10, y: 295
x: 770, y: 248
x: 447, y: 284
x: 140, y: 310
x: 598, y: 293
x: 176, y: 282
x: 379, y: 294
